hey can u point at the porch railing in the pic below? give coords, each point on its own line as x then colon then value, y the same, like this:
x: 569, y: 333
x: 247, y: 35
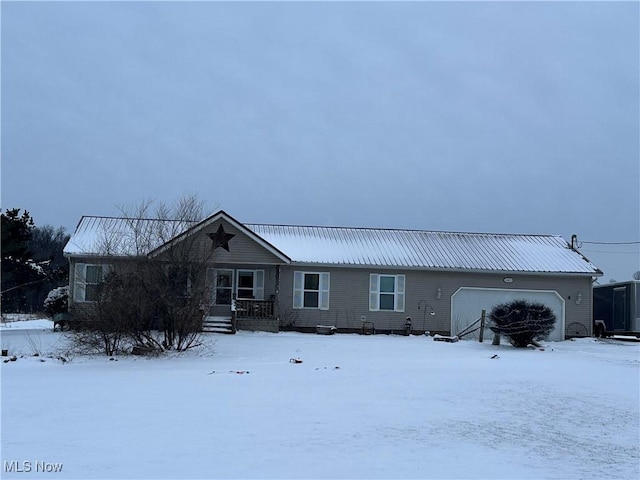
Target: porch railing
x: 254, y: 308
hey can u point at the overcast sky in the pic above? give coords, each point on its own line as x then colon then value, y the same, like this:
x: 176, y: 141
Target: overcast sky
x: 482, y: 117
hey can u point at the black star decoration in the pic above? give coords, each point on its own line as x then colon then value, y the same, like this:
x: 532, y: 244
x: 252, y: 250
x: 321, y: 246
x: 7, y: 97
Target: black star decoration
x: 221, y: 238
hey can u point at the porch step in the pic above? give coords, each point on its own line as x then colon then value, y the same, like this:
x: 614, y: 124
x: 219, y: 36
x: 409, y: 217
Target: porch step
x: 217, y: 325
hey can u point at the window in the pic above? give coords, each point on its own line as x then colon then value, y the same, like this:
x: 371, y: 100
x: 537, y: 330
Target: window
x: 250, y: 284
x: 88, y: 281
x: 311, y: 290
x: 386, y: 292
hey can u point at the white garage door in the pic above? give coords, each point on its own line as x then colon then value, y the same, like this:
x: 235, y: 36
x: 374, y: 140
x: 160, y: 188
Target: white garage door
x: 467, y: 305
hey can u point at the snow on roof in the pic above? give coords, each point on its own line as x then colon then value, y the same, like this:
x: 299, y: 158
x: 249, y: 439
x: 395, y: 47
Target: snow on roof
x: 109, y: 236
x: 425, y: 249
x: 354, y: 246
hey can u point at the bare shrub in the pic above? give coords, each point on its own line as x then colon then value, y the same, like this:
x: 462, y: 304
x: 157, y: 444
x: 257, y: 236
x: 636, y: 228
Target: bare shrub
x: 154, y: 295
x: 522, y: 321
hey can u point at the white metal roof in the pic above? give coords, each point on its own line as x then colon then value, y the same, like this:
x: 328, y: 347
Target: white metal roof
x: 121, y: 236
x: 424, y: 249
x: 389, y: 248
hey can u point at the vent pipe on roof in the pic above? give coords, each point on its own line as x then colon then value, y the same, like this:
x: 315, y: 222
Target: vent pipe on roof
x: 574, y: 242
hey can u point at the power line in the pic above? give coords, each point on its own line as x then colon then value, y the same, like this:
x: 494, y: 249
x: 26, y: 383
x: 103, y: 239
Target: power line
x: 609, y: 251
x: 611, y: 243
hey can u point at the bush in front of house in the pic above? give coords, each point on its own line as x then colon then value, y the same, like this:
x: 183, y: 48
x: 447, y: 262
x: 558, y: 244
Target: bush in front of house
x: 145, y: 306
x: 56, y: 301
x: 523, y: 322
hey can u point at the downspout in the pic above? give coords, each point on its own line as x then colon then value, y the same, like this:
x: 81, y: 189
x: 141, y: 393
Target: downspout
x: 276, y: 303
x: 72, y: 284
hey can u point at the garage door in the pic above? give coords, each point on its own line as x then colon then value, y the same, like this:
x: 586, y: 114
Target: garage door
x: 467, y: 305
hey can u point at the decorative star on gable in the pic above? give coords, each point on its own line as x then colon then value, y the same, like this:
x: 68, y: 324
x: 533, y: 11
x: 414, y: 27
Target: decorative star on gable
x: 221, y: 238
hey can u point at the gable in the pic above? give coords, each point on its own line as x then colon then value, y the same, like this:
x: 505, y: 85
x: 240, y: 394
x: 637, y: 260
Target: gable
x: 217, y: 233
x: 123, y: 237
x: 231, y: 244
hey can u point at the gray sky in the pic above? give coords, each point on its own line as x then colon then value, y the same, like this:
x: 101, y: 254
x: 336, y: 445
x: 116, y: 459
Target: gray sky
x: 483, y: 117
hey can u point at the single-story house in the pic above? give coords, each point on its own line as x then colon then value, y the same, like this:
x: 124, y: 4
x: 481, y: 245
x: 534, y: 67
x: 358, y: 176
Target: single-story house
x: 278, y: 277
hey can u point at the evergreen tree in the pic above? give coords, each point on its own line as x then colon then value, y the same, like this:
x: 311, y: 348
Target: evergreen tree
x: 16, y: 233
x: 18, y: 268
x: 32, y: 262
x: 46, y: 247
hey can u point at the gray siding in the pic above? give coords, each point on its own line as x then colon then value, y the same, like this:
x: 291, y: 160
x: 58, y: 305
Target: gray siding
x: 242, y: 249
x: 270, y: 283
x: 349, y: 293
x: 82, y: 307
x: 349, y: 298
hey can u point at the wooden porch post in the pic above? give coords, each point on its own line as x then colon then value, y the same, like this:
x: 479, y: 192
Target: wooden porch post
x: 233, y: 314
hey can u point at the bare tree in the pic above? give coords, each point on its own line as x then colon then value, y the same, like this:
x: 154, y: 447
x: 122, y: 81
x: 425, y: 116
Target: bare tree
x: 154, y: 295
x: 636, y: 275
x: 103, y: 329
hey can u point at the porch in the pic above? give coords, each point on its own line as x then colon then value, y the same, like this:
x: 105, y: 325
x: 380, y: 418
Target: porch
x: 244, y: 314
x: 257, y: 309
x: 255, y: 315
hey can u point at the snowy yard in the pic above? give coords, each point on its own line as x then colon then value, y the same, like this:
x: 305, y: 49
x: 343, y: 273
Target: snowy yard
x: 356, y: 407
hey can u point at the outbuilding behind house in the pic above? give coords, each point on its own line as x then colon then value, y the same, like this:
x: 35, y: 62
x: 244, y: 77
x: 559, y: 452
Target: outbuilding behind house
x: 616, y: 308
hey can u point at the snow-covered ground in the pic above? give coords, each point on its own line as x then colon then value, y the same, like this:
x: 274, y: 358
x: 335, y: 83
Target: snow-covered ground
x: 356, y: 407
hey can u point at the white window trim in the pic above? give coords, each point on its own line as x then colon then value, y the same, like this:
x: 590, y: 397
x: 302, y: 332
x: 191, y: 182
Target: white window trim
x: 398, y: 294
x: 258, y: 283
x: 323, y: 290
x: 80, y: 280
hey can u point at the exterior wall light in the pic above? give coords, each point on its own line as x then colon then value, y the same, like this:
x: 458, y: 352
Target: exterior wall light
x: 438, y: 294
x: 579, y: 299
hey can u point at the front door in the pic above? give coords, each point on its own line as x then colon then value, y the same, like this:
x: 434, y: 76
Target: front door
x: 222, y: 282
x: 225, y: 284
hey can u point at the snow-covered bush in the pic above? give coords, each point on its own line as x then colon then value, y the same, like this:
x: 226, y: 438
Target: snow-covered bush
x: 523, y: 321
x: 56, y: 301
